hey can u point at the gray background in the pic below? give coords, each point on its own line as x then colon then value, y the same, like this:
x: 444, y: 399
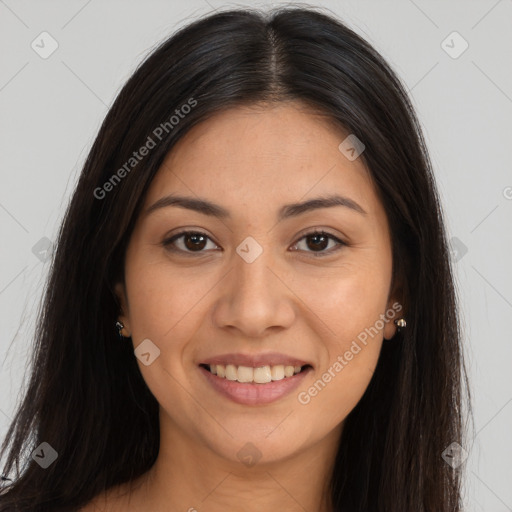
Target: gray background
x: 52, y: 108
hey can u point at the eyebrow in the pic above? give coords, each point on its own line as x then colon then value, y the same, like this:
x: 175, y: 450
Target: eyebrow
x: 287, y: 211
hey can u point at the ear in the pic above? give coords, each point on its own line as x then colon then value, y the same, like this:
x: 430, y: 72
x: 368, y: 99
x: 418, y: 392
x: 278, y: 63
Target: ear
x: 123, y: 315
x: 394, y: 311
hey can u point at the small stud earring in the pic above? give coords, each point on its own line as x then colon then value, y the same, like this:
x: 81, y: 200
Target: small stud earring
x: 120, y: 327
x: 400, y: 324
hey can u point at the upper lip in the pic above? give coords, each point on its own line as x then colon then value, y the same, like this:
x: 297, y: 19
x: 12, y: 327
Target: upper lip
x: 256, y: 360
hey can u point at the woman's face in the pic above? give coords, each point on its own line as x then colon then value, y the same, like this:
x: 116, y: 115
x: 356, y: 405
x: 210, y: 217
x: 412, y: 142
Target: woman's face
x: 256, y: 290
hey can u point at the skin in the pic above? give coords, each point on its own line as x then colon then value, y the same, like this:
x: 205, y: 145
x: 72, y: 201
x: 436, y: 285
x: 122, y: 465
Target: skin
x: 252, y: 161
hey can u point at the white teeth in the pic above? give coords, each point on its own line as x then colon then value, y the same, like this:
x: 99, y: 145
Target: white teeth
x: 245, y: 374
x: 231, y: 373
x: 277, y: 372
x: 288, y: 371
x: 260, y: 375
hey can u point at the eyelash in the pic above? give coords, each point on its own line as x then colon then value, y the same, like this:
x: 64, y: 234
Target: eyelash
x: 168, y: 243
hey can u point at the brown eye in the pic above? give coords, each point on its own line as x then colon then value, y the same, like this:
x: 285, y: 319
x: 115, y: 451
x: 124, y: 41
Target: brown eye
x: 318, y: 241
x: 187, y: 241
x: 195, y: 242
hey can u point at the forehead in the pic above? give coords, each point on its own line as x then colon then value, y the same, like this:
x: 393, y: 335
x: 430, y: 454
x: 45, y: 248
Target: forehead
x: 263, y: 155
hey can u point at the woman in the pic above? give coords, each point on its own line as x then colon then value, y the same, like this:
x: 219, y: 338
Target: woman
x: 251, y: 303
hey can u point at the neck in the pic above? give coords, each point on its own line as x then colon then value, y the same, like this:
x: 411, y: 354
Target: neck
x: 188, y: 476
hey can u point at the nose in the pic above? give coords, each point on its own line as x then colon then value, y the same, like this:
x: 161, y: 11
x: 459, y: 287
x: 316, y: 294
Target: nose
x: 255, y: 298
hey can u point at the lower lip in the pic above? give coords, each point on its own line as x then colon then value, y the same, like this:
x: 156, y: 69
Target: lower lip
x: 254, y: 394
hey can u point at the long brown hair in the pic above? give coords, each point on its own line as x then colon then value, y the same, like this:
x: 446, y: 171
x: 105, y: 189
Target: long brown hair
x: 85, y: 383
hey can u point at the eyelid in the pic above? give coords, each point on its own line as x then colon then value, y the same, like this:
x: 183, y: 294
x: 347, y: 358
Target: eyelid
x: 321, y: 231
x: 168, y: 241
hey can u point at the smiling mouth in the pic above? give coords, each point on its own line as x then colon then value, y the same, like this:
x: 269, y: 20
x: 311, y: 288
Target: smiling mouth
x: 258, y: 375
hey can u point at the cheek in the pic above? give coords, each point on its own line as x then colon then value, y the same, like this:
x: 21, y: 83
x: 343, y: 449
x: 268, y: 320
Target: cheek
x: 166, y: 308
x: 336, y: 391
x: 348, y: 356
x: 167, y: 304
x: 344, y: 300
x: 348, y: 308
